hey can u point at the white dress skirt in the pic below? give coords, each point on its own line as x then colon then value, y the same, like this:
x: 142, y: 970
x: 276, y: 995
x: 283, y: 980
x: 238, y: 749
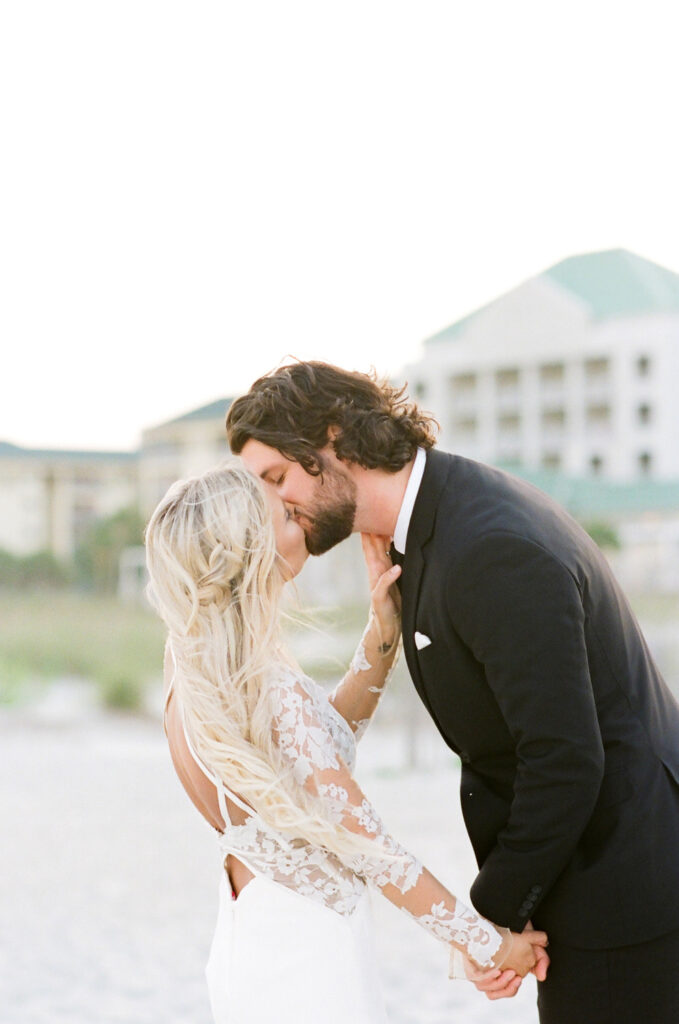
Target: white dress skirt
x: 296, y: 947
x: 278, y: 957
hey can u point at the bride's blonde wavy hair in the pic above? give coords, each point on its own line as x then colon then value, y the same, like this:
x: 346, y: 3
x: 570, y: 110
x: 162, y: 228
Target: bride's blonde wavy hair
x: 216, y: 581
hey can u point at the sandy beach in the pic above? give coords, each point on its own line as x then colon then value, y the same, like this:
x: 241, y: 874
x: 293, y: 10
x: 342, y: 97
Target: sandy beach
x: 108, y: 879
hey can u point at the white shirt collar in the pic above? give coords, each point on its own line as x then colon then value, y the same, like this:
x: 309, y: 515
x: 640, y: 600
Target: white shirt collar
x: 414, y: 481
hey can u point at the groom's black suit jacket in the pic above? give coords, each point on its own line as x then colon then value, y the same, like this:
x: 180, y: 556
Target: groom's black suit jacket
x: 538, y: 676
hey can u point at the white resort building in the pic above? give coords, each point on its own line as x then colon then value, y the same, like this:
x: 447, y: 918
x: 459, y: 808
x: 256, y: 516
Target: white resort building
x: 570, y: 380
x: 181, y: 447
x: 576, y: 370
x: 50, y: 497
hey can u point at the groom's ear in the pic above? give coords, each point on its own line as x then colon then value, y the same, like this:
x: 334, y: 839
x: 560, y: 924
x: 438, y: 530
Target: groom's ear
x: 334, y: 432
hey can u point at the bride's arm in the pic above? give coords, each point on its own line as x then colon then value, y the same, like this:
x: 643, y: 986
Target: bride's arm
x: 308, y: 748
x: 357, y: 695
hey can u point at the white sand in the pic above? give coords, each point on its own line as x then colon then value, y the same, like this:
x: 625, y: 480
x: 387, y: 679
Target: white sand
x: 108, y: 881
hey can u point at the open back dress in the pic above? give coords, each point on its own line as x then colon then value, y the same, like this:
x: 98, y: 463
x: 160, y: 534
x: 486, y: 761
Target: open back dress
x: 296, y: 946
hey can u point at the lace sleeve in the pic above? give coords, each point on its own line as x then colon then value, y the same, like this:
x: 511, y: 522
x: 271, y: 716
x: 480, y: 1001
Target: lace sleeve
x: 357, y: 695
x: 307, y: 746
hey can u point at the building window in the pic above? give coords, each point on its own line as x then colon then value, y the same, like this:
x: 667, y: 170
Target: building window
x: 596, y: 465
x: 645, y: 463
x: 463, y: 383
x: 598, y: 415
x: 644, y: 366
x: 509, y: 422
x: 596, y: 369
x: 163, y: 448
x: 465, y: 425
x: 552, y: 373
x: 551, y: 460
x: 84, y: 517
x: 644, y: 414
x: 507, y: 379
x: 553, y: 418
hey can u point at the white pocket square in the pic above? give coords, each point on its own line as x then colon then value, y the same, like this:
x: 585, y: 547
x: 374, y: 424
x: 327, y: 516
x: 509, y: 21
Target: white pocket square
x: 421, y: 640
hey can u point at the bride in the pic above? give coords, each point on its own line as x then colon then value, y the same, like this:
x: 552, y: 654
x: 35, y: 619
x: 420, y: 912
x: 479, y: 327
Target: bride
x: 267, y: 757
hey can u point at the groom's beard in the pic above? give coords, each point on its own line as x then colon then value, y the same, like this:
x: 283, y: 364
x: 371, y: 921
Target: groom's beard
x: 331, y: 518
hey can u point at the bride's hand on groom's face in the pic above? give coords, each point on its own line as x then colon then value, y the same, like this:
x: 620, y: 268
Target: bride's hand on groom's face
x: 376, y: 554
x: 385, y: 598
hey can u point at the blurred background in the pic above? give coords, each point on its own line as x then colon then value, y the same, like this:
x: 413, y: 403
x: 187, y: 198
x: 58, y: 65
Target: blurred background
x: 480, y: 203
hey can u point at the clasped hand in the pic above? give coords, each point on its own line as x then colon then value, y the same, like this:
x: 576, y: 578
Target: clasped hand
x: 505, y: 982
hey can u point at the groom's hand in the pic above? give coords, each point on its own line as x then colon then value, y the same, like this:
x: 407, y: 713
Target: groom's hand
x: 505, y: 984
x: 542, y: 963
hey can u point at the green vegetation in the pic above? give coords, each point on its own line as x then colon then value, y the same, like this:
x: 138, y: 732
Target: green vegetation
x: 603, y: 534
x: 118, y: 648
x: 47, y: 631
x: 97, y: 557
x: 44, y: 635
x: 95, y: 562
x: 40, y: 569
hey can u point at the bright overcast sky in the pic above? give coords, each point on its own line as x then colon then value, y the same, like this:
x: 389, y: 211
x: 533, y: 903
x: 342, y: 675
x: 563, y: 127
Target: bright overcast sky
x: 191, y: 191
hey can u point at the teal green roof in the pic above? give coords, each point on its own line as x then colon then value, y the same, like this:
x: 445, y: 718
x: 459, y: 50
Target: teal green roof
x: 612, y: 283
x: 591, y: 498
x: 456, y: 329
x: 618, y: 283
x: 14, y: 451
x: 211, y: 411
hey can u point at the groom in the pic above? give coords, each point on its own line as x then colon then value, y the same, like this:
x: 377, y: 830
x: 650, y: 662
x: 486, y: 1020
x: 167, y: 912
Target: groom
x: 526, y: 655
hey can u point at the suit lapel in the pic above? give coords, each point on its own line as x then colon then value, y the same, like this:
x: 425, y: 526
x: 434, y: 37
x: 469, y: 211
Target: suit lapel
x: 410, y: 592
x: 420, y: 530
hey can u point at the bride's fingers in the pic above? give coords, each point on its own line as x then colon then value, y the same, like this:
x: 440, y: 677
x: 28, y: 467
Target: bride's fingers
x: 386, y: 580
x: 376, y: 558
x: 381, y: 539
x: 476, y: 974
x: 496, y: 984
x: 371, y: 547
x: 376, y: 542
x: 508, y: 992
x: 491, y: 981
x: 385, y: 600
x: 388, y: 577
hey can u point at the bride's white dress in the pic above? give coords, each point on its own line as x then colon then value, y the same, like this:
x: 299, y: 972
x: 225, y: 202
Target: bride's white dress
x: 296, y: 945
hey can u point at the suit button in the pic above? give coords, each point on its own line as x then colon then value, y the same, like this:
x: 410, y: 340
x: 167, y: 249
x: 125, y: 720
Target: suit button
x: 525, y: 908
x: 464, y: 757
x: 536, y: 890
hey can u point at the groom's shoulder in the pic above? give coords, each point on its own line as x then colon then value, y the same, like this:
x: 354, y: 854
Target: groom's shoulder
x: 477, y: 499
x: 473, y: 487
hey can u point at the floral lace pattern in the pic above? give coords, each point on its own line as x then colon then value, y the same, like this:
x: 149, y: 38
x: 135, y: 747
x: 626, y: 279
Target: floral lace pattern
x: 360, y: 661
x: 319, y: 747
x: 311, y: 734
x: 465, y: 927
x: 307, y: 870
x: 360, y: 727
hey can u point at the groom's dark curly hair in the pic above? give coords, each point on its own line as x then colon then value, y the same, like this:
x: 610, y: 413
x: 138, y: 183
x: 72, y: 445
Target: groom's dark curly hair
x: 293, y: 408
